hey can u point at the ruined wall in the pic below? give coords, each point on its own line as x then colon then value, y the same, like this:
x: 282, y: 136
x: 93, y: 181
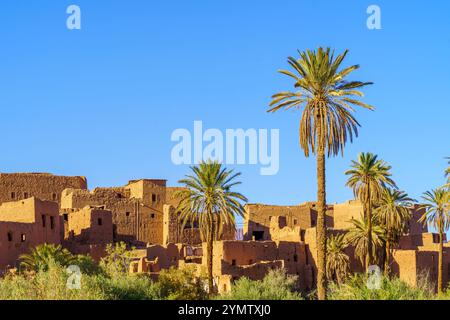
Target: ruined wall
x: 45, y: 186
x: 254, y: 259
x: 151, y: 192
x: 132, y: 219
x: 258, y: 216
x: 90, y: 226
x: 24, y: 225
x: 344, y: 212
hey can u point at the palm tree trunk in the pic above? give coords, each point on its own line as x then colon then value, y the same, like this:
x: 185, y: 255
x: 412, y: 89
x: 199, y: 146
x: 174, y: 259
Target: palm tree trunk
x: 441, y: 263
x: 387, y: 258
x: 321, y: 224
x: 369, y: 230
x: 209, y: 259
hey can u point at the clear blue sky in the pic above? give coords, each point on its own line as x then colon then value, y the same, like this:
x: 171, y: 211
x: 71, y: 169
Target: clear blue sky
x: 103, y: 101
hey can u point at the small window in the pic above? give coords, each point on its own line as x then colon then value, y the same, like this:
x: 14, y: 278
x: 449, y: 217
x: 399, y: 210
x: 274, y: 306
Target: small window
x: 23, y: 237
x: 233, y: 262
x: 44, y: 220
x: 153, y: 197
x: 127, y: 214
x: 52, y: 222
x: 54, y: 197
x: 152, y: 215
x: 10, y: 236
x: 13, y: 195
x: 25, y: 195
x: 295, y: 222
x: 66, y: 216
x: 99, y: 221
x: 302, y: 235
x: 295, y: 258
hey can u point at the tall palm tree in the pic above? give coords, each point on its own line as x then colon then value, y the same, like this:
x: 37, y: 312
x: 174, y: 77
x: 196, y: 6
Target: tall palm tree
x: 437, y: 214
x: 209, y: 200
x: 368, y: 177
x: 392, y: 213
x: 326, y: 124
x: 338, y: 262
x: 41, y: 256
x: 358, y: 236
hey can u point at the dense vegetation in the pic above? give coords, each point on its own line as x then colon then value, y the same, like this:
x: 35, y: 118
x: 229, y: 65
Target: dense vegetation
x: 110, y: 280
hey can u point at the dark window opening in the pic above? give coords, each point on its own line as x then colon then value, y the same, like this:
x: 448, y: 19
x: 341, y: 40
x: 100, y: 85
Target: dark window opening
x: 295, y: 222
x: 295, y: 258
x: 233, y: 262
x: 66, y: 216
x: 13, y: 195
x: 54, y: 197
x: 52, y: 222
x: 99, y: 221
x: 44, y: 220
x: 23, y: 237
x: 152, y: 215
x: 25, y: 195
x: 119, y: 195
x: 10, y: 236
x: 302, y: 235
x: 258, y: 235
x: 153, y: 197
x: 127, y: 214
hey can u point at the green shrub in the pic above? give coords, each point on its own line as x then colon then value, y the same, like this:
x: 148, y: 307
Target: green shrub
x: 276, y: 285
x: 180, y: 284
x: 117, y: 260
x: 355, y: 288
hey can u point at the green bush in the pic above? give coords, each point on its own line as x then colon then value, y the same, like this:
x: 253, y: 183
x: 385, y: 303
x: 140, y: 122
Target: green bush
x: 176, y: 284
x: 355, y: 288
x: 276, y: 285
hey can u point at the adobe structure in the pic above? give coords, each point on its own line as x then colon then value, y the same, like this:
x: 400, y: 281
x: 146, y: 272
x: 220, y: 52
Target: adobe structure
x: 38, y: 208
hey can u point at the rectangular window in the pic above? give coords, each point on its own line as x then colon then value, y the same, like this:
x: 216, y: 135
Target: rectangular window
x: 44, y: 220
x: 153, y: 197
x: 25, y: 195
x: 295, y: 222
x: 13, y: 195
x: 54, y: 197
x: 99, y: 221
x: 66, y: 216
x: 152, y: 215
x: 233, y: 262
x: 10, y: 236
x: 52, y: 222
x: 23, y: 237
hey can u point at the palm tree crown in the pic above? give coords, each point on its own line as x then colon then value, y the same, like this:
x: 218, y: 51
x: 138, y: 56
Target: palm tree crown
x: 369, y: 177
x: 436, y: 212
x: 338, y: 262
x: 393, y: 211
x: 328, y: 100
x: 358, y: 237
x: 41, y: 256
x: 209, y: 200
